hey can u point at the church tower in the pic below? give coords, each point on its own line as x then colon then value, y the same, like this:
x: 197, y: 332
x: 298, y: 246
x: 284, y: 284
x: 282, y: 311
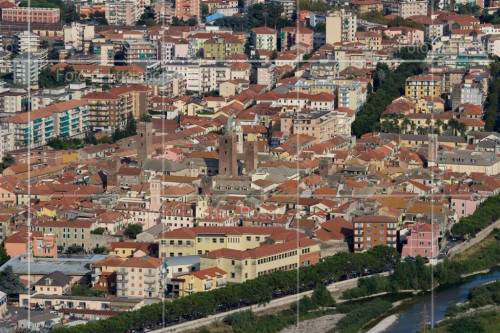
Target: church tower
x: 228, y: 160
x: 155, y: 192
x: 145, y: 143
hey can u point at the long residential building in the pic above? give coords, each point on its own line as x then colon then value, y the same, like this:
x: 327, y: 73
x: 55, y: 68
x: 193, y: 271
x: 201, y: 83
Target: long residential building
x: 68, y: 119
x: 203, y: 240
x: 252, y: 263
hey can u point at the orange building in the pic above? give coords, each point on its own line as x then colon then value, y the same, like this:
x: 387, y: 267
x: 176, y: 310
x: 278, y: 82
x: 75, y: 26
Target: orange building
x: 186, y: 9
x: 370, y: 231
x: 42, y: 245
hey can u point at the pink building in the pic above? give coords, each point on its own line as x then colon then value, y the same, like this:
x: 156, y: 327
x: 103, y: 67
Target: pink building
x: 37, y: 15
x: 405, y: 35
x: 422, y: 240
x: 464, y: 204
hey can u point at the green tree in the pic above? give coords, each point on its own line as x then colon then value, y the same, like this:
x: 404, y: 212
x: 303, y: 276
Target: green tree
x: 322, y: 297
x: 4, y: 257
x: 132, y: 230
x: 98, y: 231
x: 9, y: 282
x: 466, y: 325
x: 204, y: 10
x: 79, y: 289
x: 99, y: 250
x: 75, y: 249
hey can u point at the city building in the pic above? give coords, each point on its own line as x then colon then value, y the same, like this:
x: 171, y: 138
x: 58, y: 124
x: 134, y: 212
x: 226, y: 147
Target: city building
x: 126, y: 12
x: 424, y: 85
x: 202, y: 240
x: 28, y: 41
x: 186, y: 9
x: 422, y: 240
x: 34, y: 15
x: 201, y: 281
x: 370, y: 231
x: 34, y: 129
x: 78, y: 36
x: 341, y: 26
x: 111, y: 109
x: 265, y: 38
x: 242, y: 265
x: 139, y: 278
x: 407, y: 8
x: 27, y: 68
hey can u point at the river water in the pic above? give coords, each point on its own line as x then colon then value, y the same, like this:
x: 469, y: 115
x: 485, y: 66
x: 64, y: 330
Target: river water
x: 411, y: 319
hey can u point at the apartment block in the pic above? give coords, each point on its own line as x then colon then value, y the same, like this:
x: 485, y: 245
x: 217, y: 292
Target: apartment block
x: 69, y: 233
x: 125, y: 12
x: 202, y: 240
x: 265, y: 38
x: 109, y: 110
x: 424, y: 85
x: 186, y: 9
x: 139, y: 51
x: 34, y: 129
x: 422, y: 240
x: 252, y: 263
x: 139, y: 278
x: 78, y: 36
x: 341, y: 26
x: 322, y: 125
x: 370, y: 231
x: 34, y: 15
x: 407, y: 8
x: 27, y: 68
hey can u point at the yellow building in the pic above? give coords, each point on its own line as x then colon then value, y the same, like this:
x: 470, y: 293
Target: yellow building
x: 429, y: 105
x: 250, y: 264
x: 201, y: 281
x: 222, y: 47
x: 202, y: 240
x: 424, y: 85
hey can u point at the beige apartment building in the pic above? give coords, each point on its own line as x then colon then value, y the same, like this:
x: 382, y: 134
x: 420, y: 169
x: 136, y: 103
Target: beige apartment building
x: 139, y: 277
x: 341, y: 26
x: 203, y: 240
x: 135, y: 277
x: 252, y: 263
x: 322, y: 125
x: 110, y: 110
x: 70, y: 233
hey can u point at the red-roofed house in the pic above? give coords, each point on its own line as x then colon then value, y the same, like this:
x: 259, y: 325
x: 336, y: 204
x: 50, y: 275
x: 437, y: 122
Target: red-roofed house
x: 201, y: 281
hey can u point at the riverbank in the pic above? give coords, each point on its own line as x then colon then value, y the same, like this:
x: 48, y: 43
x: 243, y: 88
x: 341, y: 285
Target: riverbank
x: 384, y: 324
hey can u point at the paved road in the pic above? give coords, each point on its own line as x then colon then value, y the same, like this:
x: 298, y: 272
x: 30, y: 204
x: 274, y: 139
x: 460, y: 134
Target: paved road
x: 275, y: 303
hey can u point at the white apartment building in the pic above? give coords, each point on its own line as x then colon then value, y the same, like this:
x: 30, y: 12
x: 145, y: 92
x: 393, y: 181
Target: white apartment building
x: 126, y: 12
x: 265, y: 38
x: 350, y: 95
x: 28, y: 41
x: 78, y: 36
x: 26, y: 68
